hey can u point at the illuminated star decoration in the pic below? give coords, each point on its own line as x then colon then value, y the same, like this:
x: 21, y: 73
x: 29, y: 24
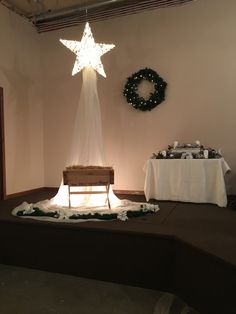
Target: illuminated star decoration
x: 88, y: 53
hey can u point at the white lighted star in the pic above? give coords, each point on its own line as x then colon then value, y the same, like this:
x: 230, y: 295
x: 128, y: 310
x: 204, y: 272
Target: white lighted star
x: 88, y: 53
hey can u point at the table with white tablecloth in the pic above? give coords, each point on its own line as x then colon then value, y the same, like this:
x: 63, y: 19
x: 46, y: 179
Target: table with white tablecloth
x: 186, y: 180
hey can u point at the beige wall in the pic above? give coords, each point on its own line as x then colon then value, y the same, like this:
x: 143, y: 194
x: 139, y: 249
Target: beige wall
x: 192, y: 47
x: 20, y: 77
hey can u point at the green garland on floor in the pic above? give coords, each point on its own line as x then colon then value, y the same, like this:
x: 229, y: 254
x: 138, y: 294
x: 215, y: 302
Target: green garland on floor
x: 131, y: 90
x: 37, y: 212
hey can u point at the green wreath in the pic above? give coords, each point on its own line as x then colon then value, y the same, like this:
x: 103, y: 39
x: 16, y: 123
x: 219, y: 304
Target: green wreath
x: 131, y: 90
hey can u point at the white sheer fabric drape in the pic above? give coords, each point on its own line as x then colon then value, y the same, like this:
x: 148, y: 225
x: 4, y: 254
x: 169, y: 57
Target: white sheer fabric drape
x: 87, y: 145
x: 86, y: 150
x: 87, y: 142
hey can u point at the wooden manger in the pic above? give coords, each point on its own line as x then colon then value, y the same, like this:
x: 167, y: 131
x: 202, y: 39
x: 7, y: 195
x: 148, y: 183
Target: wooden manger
x: 88, y: 176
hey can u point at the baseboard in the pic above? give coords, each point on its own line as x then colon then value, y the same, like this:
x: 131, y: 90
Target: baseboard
x: 121, y: 192
x: 231, y: 195
x: 9, y: 196
x: 129, y: 192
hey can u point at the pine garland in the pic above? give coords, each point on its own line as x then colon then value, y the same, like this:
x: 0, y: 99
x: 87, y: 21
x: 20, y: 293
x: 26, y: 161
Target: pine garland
x: 37, y: 212
x: 131, y: 90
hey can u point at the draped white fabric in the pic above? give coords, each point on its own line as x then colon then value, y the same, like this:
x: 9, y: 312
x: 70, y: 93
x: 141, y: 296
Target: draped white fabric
x: 187, y: 180
x: 86, y: 150
x: 86, y: 146
x: 87, y: 143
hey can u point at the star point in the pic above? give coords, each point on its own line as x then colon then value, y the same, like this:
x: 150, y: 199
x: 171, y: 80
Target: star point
x: 88, y: 53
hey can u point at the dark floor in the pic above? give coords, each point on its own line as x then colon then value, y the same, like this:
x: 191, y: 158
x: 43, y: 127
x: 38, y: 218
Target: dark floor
x: 27, y: 291
x: 186, y: 248
x: 206, y: 226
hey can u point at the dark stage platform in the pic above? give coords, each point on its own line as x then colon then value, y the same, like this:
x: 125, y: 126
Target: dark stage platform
x: 187, y: 249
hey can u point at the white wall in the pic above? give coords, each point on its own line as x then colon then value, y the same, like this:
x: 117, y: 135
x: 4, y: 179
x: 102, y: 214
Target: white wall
x: 20, y: 77
x: 193, y: 47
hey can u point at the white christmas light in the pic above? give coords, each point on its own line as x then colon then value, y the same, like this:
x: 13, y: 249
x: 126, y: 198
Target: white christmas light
x: 88, y: 53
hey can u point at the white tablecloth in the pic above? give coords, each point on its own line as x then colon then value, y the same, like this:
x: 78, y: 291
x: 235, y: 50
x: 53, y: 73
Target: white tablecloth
x: 186, y: 180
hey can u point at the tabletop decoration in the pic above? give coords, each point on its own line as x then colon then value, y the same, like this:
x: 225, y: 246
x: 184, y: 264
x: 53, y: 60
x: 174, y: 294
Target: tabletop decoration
x: 187, y: 151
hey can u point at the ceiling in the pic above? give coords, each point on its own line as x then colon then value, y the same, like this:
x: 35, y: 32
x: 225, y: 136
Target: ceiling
x: 48, y: 15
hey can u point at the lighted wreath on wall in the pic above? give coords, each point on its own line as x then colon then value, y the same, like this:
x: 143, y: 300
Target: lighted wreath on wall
x: 131, y: 90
